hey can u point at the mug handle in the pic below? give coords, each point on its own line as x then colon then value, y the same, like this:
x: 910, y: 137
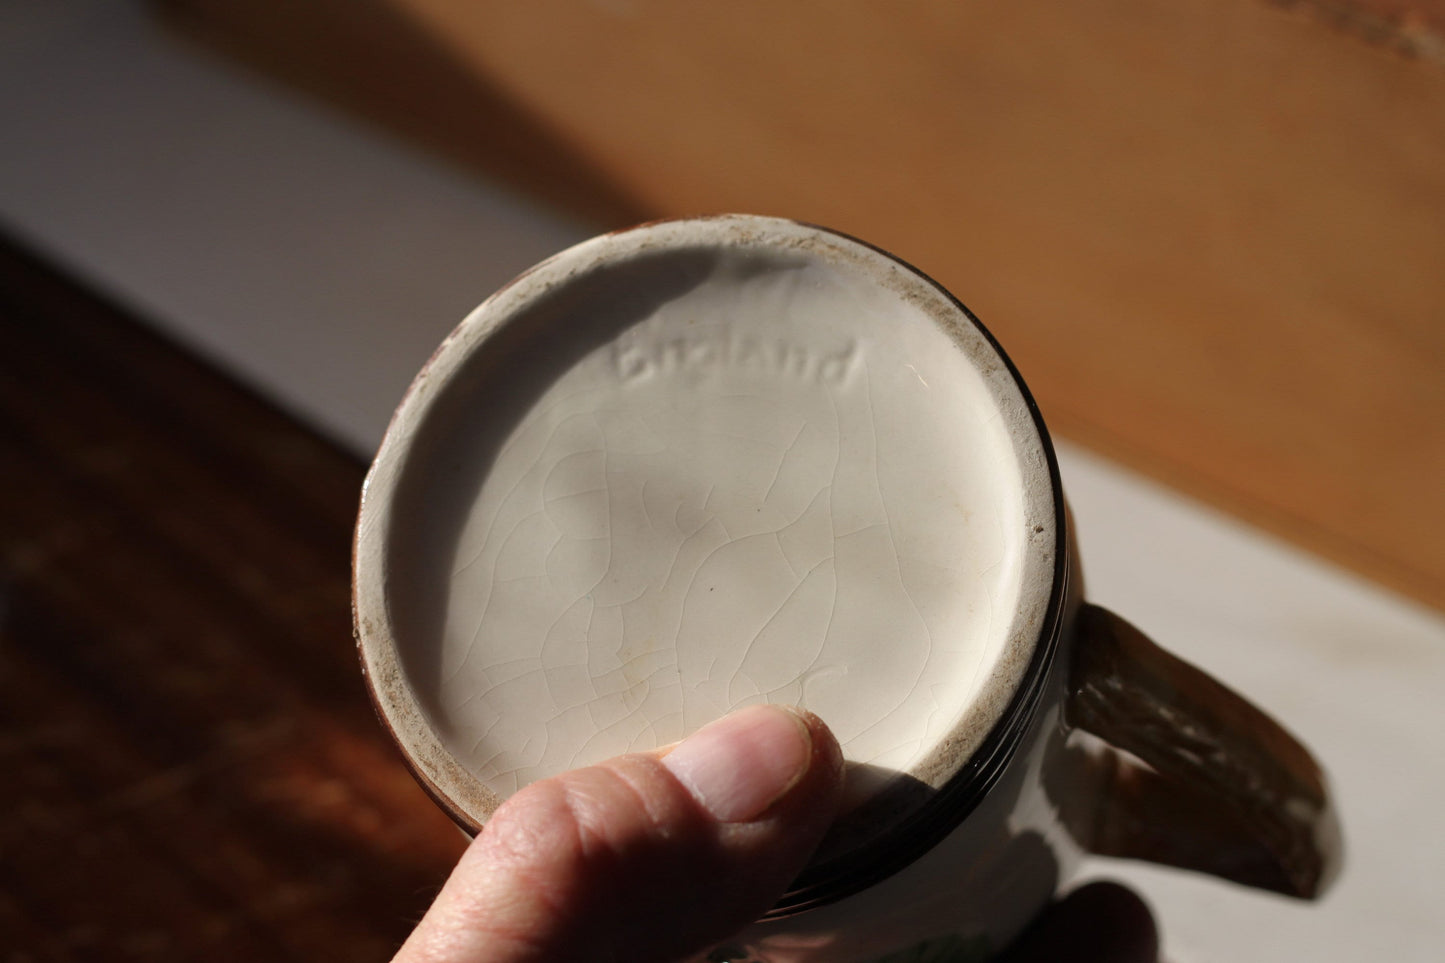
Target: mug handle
x: 1222, y: 788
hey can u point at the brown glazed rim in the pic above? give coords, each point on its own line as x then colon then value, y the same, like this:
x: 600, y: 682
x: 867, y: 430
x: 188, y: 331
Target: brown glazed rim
x: 947, y: 804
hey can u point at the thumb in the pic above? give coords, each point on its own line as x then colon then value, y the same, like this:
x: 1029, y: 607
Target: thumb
x: 647, y: 857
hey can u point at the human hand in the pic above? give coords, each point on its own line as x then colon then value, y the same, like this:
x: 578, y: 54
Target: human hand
x: 654, y: 857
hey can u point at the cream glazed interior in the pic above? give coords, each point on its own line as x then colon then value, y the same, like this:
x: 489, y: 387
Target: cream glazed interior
x: 693, y: 466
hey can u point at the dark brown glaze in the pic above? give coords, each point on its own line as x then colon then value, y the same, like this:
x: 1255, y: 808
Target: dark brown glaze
x: 191, y: 768
x: 1223, y: 788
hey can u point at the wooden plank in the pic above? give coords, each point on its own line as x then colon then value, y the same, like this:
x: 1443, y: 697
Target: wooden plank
x: 192, y: 766
x: 1210, y: 232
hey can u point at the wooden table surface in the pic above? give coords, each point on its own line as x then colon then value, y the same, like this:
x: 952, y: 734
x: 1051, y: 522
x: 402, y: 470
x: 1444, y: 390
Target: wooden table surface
x: 191, y: 767
x: 1209, y: 232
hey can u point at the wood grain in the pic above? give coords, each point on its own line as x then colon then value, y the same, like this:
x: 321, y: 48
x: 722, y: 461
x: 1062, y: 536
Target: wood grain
x: 192, y: 768
x: 1210, y: 232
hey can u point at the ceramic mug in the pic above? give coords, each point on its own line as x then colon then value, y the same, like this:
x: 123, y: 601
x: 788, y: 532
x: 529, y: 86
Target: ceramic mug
x: 704, y: 463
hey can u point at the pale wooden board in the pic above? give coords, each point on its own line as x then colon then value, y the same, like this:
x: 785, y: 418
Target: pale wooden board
x: 1210, y: 232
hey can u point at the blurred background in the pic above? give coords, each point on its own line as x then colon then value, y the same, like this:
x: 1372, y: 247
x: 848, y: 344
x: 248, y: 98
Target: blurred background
x: 1210, y: 233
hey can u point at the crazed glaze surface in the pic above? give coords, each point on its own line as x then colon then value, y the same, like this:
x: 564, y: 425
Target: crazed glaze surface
x: 783, y: 486
x: 691, y: 467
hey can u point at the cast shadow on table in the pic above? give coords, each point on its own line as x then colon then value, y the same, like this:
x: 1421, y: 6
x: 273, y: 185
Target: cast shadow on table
x: 375, y: 62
